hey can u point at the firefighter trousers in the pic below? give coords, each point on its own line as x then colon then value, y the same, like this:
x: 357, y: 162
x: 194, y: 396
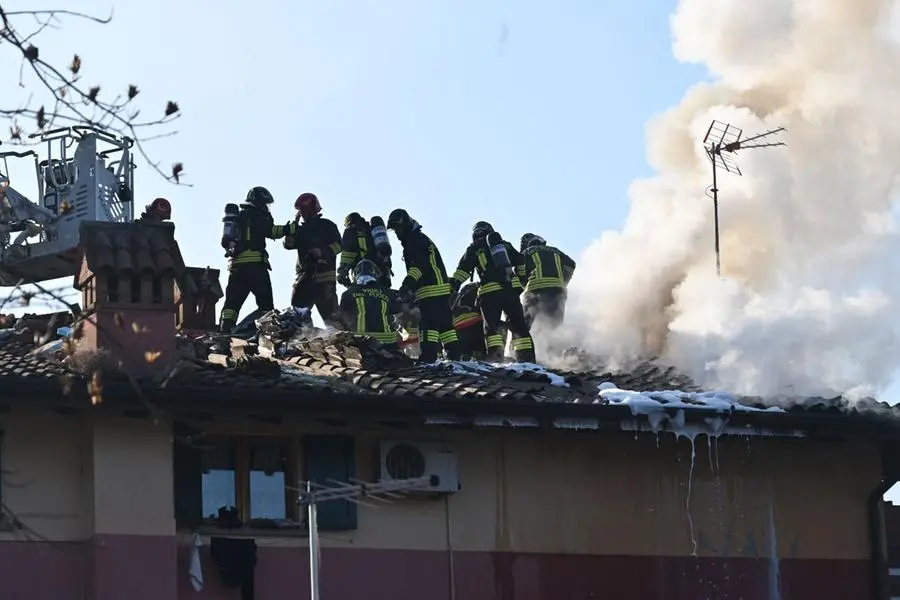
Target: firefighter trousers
x: 307, y: 292
x: 471, y: 341
x: 548, y: 305
x: 243, y: 280
x: 436, y: 329
x: 493, y: 305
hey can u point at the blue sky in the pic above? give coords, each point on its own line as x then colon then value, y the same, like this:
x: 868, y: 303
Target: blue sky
x: 524, y: 114
x: 529, y: 115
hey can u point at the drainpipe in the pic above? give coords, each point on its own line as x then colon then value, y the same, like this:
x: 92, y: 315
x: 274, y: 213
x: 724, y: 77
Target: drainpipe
x: 880, y: 585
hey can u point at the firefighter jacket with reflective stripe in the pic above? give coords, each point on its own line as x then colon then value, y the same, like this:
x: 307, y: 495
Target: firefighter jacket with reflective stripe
x: 425, y: 272
x: 256, y: 225
x: 369, y: 310
x: 547, y: 267
x: 323, y: 235
x: 356, y: 244
x: 477, y: 259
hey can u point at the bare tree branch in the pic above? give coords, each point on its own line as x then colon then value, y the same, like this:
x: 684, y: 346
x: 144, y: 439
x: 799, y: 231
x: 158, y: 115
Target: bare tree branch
x: 72, y: 102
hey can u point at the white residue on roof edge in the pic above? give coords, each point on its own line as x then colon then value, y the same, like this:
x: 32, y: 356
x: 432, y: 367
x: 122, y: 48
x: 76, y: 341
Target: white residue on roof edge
x: 649, y: 403
x: 472, y: 367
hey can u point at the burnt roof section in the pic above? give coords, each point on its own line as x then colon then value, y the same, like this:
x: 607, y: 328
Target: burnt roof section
x: 138, y: 247
x: 343, y: 370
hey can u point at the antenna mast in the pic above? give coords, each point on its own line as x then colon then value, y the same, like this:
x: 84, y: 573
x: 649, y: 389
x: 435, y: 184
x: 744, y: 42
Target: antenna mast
x: 354, y: 490
x: 722, y: 137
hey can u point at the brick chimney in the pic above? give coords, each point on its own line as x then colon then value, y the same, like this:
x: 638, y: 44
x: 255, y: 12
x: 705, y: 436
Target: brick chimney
x: 196, y: 295
x: 127, y: 283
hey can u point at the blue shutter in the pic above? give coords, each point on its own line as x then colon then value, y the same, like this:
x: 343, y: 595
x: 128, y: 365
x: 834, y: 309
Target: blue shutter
x: 331, y: 457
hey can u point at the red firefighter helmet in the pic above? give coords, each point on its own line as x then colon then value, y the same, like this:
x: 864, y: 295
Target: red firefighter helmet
x: 161, y: 208
x: 308, y: 205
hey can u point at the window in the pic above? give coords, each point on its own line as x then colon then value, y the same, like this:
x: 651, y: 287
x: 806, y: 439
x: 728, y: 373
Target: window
x: 252, y: 481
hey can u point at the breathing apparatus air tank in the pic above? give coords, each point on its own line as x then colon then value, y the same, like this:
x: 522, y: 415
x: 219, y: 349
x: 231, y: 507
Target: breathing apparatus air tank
x: 230, y: 230
x: 382, y: 242
x: 499, y: 255
x: 380, y: 237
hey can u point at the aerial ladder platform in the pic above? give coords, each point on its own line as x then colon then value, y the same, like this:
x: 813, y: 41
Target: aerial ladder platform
x: 86, y: 174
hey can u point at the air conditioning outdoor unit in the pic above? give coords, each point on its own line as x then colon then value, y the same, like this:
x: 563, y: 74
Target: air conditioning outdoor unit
x: 411, y: 460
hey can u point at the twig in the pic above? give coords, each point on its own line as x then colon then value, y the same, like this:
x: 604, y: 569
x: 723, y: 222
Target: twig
x: 73, y: 104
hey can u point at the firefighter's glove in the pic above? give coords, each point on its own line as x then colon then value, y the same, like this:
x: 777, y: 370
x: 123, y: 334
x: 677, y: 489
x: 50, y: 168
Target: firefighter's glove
x: 343, y: 275
x: 407, y: 296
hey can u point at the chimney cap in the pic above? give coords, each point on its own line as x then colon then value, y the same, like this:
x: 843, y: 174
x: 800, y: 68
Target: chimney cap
x: 136, y: 247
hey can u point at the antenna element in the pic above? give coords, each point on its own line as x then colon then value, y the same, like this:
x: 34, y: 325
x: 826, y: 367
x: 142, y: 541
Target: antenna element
x: 353, y: 491
x: 722, y: 141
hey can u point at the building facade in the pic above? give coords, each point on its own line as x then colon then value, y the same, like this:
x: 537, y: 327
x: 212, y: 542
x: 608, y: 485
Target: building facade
x: 92, y: 505
x: 130, y: 443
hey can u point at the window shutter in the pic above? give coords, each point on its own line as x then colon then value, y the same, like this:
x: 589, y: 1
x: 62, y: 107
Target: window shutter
x: 331, y: 457
x: 187, y: 473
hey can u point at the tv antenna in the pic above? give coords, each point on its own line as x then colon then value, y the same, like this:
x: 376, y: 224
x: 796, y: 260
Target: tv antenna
x: 722, y: 141
x: 353, y: 491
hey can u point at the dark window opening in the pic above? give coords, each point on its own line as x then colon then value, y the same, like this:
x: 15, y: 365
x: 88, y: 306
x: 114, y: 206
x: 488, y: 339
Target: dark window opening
x: 112, y: 289
x: 135, y: 288
x: 157, y: 290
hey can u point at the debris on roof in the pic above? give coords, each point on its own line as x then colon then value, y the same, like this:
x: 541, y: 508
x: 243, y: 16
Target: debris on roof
x: 281, y: 354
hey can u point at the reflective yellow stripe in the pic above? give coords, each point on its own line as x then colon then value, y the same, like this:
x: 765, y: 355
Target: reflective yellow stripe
x: 432, y: 259
x: 493, y: 341
x: 544, y: 284
x: 482, y: 260
x: 538, y: 266
x: 360, y: 314
x: 461, y: 276
x: 433, y: 291
x: 335, y: 247
x: 486, y: 288
x: 348, y: 257
x: 385, y: 337
x: 467, y: 319
x: 363, y: 246
x: 448, y: 337
x: 414, y: 273
x: 523, y: 343
x: 385, y: 323
x: 537, y: 280
x: 248, y: 256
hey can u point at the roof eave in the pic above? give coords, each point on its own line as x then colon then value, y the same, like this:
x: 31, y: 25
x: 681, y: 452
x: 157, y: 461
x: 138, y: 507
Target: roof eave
x: 869, y: 425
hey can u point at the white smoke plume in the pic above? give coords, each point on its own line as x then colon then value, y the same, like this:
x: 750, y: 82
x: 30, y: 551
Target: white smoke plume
x: 808, y: 301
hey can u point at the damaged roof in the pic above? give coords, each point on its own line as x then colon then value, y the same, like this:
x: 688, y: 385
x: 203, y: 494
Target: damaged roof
x: 280, y: 371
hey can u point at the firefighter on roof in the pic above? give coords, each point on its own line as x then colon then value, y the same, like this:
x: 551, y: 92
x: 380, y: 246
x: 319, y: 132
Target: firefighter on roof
x: 156, y: 212
x: 367, y: 308
x: 244, y: 234
x: 468, y: 322
x: 356, y: 245
x: 548, y: 271
x: 317, y: 242
x: 499, y: 267
x: 427, y: 282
